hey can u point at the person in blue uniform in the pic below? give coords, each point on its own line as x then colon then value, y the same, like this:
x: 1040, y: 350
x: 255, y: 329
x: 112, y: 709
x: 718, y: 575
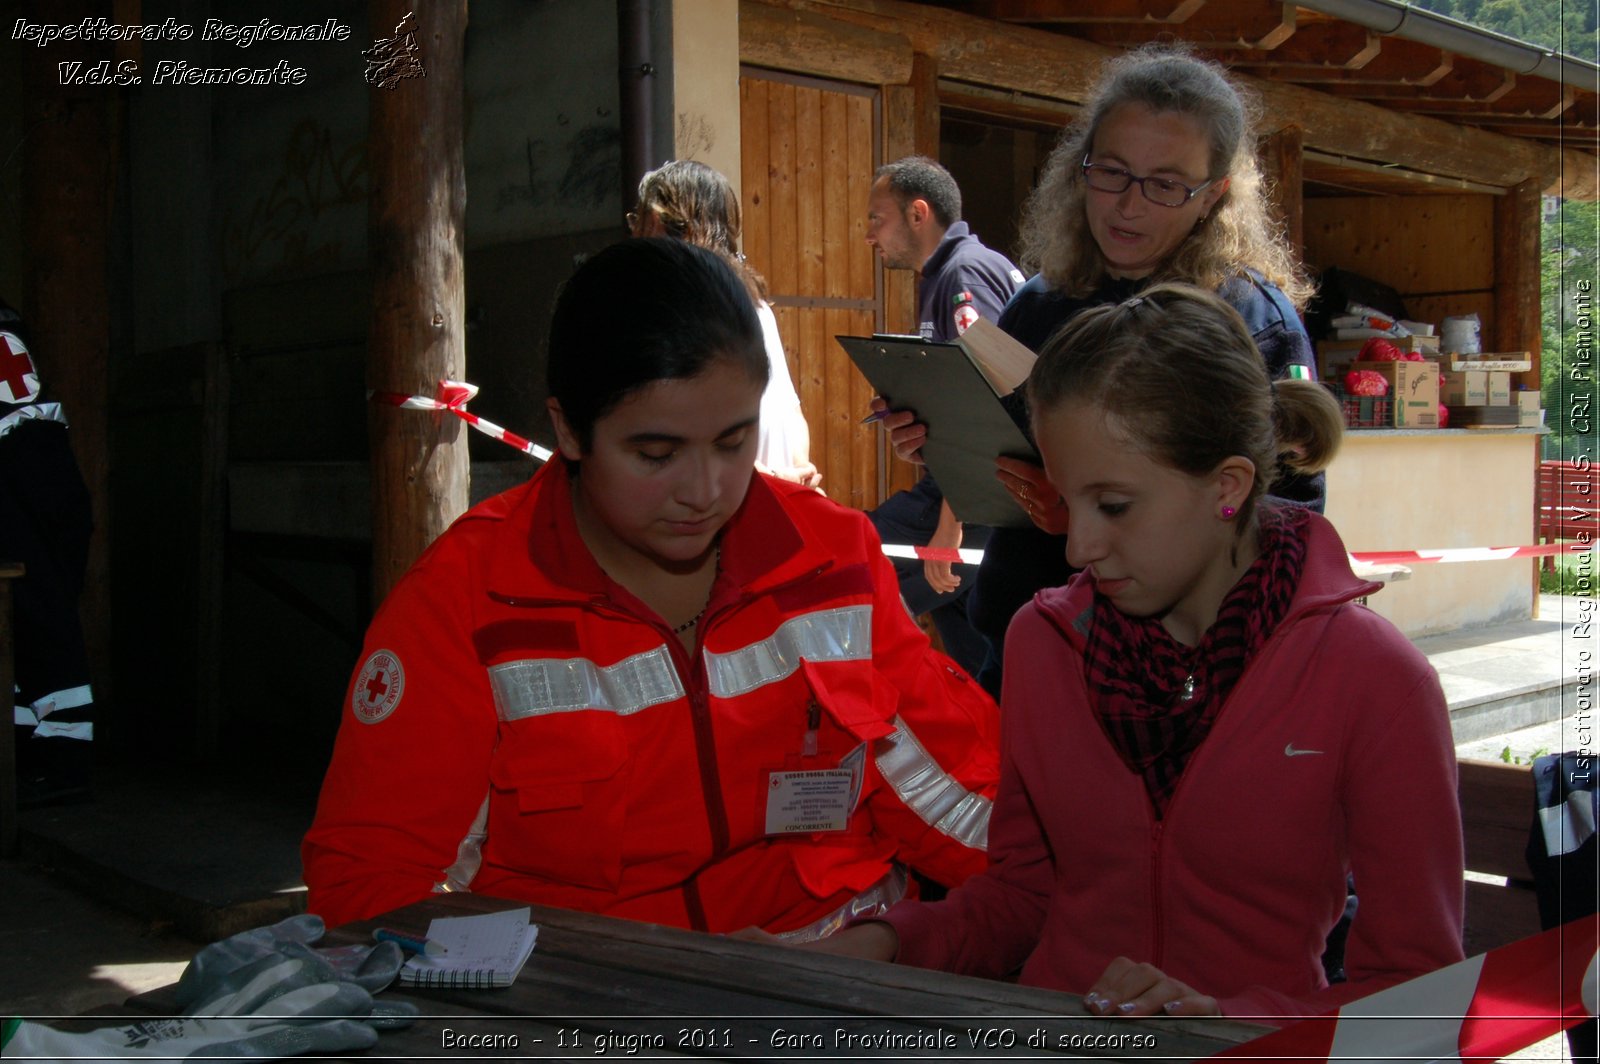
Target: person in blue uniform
x: 914, y: 223
x: 45, y: 523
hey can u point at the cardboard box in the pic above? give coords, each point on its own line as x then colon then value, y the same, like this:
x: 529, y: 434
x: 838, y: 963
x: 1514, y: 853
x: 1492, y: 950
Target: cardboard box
x: 1530, y: 415
x: 1499, y: 388
x: 1510, y: 361
x: 1334, y: 356
x: 1467, y: 387
x: 1414, y: 387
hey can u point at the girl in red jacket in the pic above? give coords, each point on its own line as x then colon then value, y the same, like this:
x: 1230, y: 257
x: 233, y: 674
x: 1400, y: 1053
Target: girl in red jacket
x: 650, y: 682
x: 1205, y: 731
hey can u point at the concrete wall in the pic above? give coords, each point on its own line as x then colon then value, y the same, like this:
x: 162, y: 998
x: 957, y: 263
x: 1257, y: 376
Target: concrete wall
x: 1395, y: 490
x: 705, y: 85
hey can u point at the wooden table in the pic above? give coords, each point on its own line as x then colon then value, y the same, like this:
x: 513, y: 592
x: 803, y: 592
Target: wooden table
x: 601, y: 986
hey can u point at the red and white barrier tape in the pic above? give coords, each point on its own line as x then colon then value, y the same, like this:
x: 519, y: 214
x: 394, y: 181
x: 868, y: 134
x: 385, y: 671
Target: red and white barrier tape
x: 453, y: 398
x: 969, y: 555
x: 1369, y: 557
x: 1484, y: 1007
x: 1464, y: 554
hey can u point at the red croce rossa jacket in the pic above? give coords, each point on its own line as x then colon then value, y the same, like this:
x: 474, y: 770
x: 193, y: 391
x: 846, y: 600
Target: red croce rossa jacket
x: 523, y: 726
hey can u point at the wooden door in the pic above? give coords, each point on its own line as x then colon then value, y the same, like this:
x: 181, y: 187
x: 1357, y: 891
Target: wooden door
x: 809, y: 151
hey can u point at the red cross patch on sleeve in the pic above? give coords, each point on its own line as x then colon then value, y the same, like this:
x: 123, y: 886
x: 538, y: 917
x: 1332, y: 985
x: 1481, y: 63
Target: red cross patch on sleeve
x: 378, y: 687
x: 965, y: 315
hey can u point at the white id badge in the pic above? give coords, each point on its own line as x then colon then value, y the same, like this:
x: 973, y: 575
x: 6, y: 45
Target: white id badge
x: 808, y: 801
x: 815, y: 800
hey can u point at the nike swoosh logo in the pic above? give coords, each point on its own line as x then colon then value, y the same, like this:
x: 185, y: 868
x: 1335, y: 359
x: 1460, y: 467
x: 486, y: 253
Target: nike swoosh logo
x: 1290, y: 751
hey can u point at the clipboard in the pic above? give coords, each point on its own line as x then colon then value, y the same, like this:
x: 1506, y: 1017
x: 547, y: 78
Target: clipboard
x: 968, y: 427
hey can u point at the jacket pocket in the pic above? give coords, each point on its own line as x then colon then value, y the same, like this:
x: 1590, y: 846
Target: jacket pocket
x: 559, y: 796
x: 855, y: 696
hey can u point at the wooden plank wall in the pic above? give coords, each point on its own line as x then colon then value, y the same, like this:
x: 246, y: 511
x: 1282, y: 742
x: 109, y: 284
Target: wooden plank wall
x: 1438, y: 252
x: 809, y: 150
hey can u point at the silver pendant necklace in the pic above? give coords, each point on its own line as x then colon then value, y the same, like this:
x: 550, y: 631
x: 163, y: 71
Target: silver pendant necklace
x: 1187, y: 694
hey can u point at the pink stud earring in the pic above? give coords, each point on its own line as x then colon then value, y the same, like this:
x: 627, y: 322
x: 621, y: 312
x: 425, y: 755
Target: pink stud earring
x: 1228, y: 512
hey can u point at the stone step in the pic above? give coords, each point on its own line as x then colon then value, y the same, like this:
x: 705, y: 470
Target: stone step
x: 208, y: 860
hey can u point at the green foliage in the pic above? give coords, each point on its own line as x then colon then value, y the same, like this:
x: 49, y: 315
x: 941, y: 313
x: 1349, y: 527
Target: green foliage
x: 1567, y: 26
x: 1569, y: 249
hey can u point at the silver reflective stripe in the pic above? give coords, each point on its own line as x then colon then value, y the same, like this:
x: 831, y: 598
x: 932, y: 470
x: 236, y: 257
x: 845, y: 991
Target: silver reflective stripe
x: 67, y: 698
x: 36, y: 412
x: 469, y: 855
x: 930, y: 791
x: 874, y: 901
x: 1569, y: 825
x: 843, y: 634
x: 49, y: 729
x: 538, y: 686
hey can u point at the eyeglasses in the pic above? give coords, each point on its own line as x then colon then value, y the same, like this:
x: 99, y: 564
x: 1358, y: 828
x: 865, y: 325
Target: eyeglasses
x: 1162, y: 191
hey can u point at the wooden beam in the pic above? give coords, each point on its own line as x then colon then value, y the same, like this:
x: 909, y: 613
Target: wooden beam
x: 925, y: 104
x: 1458, y: 87
x: 68, y: 184
x: 1056, y: 12
x: 416, y: 219
x: 806, y: 42
x: 1060, y: 67
x: 1383, y: 61
x: 1317, y: 163
x: 1534, y: 102
x: 1322, y: 46
x: 1257, y: 26
x: 1517, y: 320
x: 1282, y: 159
x: 211, y: 555
x: 1012, y: 107
x: 1570, y: 131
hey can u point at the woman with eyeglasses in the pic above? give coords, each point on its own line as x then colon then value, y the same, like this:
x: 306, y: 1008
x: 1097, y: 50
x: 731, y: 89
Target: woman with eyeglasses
x: 1156, y: 181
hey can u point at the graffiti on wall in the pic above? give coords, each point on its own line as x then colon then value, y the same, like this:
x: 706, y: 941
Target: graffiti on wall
x: 285, y: 230
x: 583, y: 171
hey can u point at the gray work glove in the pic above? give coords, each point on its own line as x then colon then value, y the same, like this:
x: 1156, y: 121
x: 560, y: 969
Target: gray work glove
x: 262, y: 993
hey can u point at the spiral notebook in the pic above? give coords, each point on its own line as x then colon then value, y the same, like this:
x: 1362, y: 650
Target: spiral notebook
x: 483, y: 951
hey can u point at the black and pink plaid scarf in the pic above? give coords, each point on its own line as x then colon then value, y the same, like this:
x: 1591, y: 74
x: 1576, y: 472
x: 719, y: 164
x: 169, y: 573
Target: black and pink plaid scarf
x: 1137, y: 672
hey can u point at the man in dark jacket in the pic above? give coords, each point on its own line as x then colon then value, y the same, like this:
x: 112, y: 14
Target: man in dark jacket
x: 45, y: 524
x: 914, y: 223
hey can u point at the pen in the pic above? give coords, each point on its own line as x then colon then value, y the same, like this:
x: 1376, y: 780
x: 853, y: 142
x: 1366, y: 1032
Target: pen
x: 414, y: 943
x: 876, y: 415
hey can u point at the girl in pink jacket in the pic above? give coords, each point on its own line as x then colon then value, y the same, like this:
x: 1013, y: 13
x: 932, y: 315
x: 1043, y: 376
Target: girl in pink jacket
x: 1204, y: 733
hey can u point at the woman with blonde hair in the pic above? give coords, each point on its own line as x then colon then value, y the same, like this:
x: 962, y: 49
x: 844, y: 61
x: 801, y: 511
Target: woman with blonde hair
x: 687, y: 200
x: 1156, y: 181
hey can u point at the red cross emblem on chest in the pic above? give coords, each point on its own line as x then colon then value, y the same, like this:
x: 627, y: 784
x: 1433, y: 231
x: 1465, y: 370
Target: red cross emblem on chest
x: 19, y: 381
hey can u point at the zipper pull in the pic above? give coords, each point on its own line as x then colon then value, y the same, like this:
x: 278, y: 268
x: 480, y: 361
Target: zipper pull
x: 808, y: 748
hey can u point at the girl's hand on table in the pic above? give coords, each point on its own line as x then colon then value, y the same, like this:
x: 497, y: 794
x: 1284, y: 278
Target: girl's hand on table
x: 1130, y: 988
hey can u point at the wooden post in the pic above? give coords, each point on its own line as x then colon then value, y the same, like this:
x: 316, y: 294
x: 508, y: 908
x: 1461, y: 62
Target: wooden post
x: 211, y: 554
x: 66, y: 205
x: 1517, y: 323
x: 925, y: 108
x: 1516, y: 275
x: 1282, y: 167
x: 416, y: 218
